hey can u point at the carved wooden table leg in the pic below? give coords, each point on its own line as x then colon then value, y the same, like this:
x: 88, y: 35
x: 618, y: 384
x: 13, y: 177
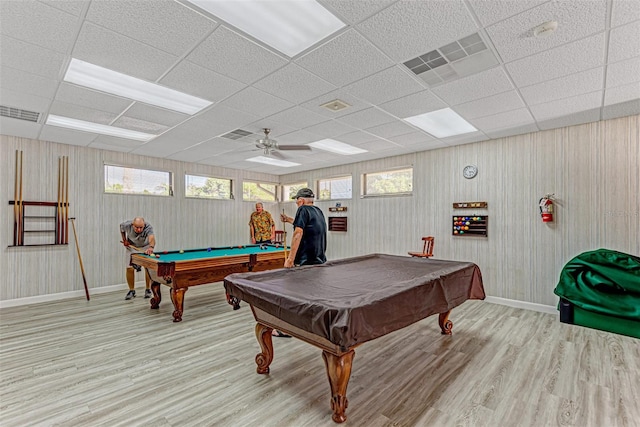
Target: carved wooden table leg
x: 338, y: 371
x: 264, y: 359
x: 155, y: 301
x: 445, y: 324
x: 177, y: 297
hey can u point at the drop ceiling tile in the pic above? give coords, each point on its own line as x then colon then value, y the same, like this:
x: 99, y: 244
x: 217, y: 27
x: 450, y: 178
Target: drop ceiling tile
x: 154, y: 114
x: 114, y: 51
x: 294, y: 84
x: 105, y: 142
x: 297, y: 137
x: 73, y: 7
x: 490, y: 12
x: 623, y: 42
x: 353, y: 12
x: 32, y: 59
x: 566, y: 106
x: 623, y: 72
x: 32, y: 84
x: 165, y: 145
x: 164, y: 26
x: 467, y: 138
x: 38, y: 23
x: 407, y: 29
x: 12, y: 98
x: 624, y: 109
x: 390, y: 130
x: 619, y: 94
x: 220, y: 120
x: 140, y: 125
x: 561, y: 61
x: 300, y: 117
x: 571, y: 120
x: 329, y: 129
x: 564, y: 87
x: 513, y: 38
x: 387, y: 85
x: 412, y: 105
x: 356, y: 138
x: 25, y: 129
x: 366, y: 118
x: 505, y: 101
x: 327, y: 61
x: 624, y: 12
x: 87, y: 98
x: 203, y: 150
x: 518, y: 130
x: 66, y: 136
x: 198, y: 81
x: 477, y: 86
x: 354, y: 103
x: 232, y: 55
x: 256, y: 102
x: 504, y: 120
x: 413, y: 138
x: 377, y: 145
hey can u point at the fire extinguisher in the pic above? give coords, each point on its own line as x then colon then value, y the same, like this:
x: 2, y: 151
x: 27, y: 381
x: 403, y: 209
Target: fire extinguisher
x: 546, y: 208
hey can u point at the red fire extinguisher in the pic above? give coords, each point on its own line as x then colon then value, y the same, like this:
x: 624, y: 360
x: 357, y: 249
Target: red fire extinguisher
x: 546, y: 208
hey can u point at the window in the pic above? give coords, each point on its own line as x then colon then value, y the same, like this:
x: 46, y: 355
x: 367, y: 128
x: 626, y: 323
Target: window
x: 335, y: 188
x: 121, y: 180
x: 206, y: 187
x: 258, y: 191
x: 290, y: 190
x: 399, y: 181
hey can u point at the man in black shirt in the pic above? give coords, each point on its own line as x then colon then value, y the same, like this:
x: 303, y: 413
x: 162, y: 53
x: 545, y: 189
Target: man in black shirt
x: 309, y: 241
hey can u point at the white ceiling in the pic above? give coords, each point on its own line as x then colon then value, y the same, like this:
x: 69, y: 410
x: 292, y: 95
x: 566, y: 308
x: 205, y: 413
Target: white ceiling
x: 588, y: 70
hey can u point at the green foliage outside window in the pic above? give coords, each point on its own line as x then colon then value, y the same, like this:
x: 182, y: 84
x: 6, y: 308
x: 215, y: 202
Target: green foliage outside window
x: 258, y: 191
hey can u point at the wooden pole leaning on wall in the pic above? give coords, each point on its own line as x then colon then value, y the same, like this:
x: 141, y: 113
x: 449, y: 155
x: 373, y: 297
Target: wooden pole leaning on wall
x: 20, y: 209
x: 15, y: 205
x: 66, y: 200
x: 84, y: 277
x: 284, y: 229
x: 59, y: 205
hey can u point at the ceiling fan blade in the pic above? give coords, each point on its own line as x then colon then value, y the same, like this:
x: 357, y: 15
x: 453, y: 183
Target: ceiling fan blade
x: 278, y: 155
x: 294, y: 147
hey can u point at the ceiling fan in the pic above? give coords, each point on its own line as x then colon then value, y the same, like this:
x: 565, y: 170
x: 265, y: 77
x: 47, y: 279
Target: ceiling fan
x: 271, y: 146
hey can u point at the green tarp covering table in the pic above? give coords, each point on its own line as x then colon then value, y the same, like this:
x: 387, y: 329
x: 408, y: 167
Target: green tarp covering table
x: 601, y: 289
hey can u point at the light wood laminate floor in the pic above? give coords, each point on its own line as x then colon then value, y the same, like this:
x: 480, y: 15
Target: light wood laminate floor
x: 111, y: 362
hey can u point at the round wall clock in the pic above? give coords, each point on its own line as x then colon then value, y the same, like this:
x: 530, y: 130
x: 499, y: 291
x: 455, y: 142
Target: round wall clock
x: 470, y: 171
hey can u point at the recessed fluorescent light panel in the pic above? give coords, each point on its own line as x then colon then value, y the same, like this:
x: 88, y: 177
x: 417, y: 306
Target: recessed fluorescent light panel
x: 289, y: 26
x: 442, y: 123
x: 69, y: 123
x: 105, y: 80
x: 337, y: 147
x: 273, y: 162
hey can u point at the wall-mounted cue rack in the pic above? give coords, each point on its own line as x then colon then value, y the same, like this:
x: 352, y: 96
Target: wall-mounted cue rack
x: 41, y: 223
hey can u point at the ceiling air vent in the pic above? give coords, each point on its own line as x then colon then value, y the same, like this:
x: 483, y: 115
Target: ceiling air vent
x: 236, y: 134
x: 335, y: 105
x: 461, y: 58
x: 17, y: 113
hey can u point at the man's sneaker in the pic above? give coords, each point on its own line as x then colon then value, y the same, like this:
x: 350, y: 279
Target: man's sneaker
x: 147, y: 293
x: 130, y: 294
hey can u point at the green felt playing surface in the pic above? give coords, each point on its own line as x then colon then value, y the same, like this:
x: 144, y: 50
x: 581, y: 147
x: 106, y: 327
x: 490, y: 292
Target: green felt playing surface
x: 193, y: 254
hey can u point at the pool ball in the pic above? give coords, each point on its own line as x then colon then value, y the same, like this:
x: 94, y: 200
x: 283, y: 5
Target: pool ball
x: 152, y: 254
x: 208, y: 249
x: 165, y: 252
x: 157, y: 256
x: 181, y: 251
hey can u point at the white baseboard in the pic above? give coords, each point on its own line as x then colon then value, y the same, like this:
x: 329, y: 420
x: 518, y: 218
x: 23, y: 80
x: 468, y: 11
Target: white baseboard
x: 523, y: 304
x: 65, y: 295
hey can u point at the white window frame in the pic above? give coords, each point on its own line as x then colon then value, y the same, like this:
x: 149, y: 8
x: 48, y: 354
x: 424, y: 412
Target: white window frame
x: 207, y: 177
x: 169, y: 182
x: 335, y: 178
x: 283, y: 190
x: 275, y: 191
x: 363, y: 182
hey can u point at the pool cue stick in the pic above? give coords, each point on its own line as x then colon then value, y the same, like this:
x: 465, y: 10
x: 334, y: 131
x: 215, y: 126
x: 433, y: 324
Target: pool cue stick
x: 66, y: 199
x: 58, y: 208
x: 134, y: 247
x: 84, y: 278
x: 284, y: 228
x: 21, y: 208
x: 15, y: 205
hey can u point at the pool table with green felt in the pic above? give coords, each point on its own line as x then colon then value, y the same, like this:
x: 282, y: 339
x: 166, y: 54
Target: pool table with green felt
x: 181, y: 269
